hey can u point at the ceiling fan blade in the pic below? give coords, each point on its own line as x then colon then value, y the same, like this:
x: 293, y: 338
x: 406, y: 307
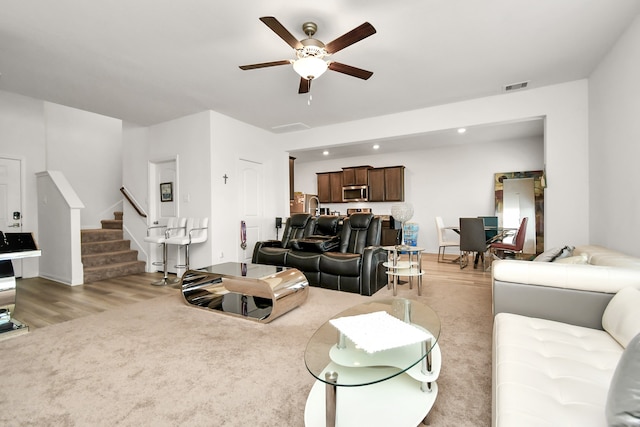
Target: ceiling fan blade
x: 265, y: 64
x: 281, y: 31
x: 305, y: 85
x: 349, y: 70
x: 363, y: 31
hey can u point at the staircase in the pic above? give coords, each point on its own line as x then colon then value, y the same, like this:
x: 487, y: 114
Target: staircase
x: 105, y: 254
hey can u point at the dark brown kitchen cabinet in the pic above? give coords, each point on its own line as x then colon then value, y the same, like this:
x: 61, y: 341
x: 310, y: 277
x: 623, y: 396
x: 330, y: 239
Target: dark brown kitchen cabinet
x: 291, y: 176
x: 330, y: 187
x: 376, y: 185
x: 386, y: 184
x: 355, y: 175
x: 394, y: 184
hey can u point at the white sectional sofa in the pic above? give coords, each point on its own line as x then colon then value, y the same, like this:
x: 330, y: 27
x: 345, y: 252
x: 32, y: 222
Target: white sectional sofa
x: 559, y: 338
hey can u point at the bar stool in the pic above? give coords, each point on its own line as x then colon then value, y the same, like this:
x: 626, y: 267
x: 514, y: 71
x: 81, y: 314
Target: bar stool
x: 196, y: 232
x: 174, y: 227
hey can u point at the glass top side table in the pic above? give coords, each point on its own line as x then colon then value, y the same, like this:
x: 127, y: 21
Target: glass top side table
x: 346, y: 374
x: 410, y: 268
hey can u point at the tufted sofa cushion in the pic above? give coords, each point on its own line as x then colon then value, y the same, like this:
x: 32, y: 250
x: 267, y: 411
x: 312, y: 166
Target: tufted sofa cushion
x: 548, y: 373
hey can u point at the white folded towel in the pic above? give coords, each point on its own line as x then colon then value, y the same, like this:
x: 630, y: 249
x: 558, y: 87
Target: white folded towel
x: 377, y: 331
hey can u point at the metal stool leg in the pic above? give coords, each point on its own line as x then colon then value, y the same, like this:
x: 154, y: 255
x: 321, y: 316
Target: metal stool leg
x: 185, y: 265
x: 165, y: 280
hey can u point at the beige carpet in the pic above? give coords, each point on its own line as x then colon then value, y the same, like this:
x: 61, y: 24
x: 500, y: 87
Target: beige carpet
x: 163, y: 363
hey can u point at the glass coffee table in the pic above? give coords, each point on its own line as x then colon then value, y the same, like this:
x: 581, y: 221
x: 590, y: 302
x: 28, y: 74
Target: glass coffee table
x: 375, y: 364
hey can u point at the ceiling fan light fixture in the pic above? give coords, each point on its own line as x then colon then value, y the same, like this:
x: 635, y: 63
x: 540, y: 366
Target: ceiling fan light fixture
x: 310, y: 67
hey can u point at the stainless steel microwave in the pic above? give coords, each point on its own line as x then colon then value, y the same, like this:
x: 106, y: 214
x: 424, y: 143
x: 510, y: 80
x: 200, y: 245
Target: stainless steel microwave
x: 355, y: 193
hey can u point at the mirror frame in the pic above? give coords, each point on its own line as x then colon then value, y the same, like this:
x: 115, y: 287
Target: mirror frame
x: 538, y: 195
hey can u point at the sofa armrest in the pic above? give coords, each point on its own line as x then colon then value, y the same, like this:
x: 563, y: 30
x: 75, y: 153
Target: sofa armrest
x: 318, y: 244
x: 372, y: 275
x: 264, y: 244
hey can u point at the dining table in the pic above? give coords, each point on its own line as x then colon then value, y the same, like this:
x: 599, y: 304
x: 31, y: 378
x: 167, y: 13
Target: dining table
x: 502, y: 232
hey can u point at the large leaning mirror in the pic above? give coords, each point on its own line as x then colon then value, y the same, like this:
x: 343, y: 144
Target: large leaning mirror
x: 519, y: 195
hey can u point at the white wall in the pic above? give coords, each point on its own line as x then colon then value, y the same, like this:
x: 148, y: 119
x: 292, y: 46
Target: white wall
x: 60, y: 245
x: 208, y: 145
x: 22, y: 136
x: 614, y: 107
x: 450, y: 181
x: 564, y: 107
x: 186, y: 139
x: 87, y: 149
x: 135, y: 149
x: 233, y: 140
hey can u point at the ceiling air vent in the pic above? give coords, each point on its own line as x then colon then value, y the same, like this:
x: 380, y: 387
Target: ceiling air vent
x: 516, y: 86
x: 291, y: 127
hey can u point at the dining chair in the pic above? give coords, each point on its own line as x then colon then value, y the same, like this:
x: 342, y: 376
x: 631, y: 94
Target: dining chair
x: 491, y: 228
x: 472, y: 239
x: 443, y: 242
x: 512, y: 248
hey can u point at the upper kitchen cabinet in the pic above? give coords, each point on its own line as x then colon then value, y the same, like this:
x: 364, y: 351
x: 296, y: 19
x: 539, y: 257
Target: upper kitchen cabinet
x: 291, y: 176
x: 386, y: 184
x: 376, y: 185
x: 355, y: 175
x: 330, y: 187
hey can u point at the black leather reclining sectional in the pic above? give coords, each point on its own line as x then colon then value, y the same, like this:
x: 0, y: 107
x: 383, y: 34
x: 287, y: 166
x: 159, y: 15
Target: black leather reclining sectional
x: 344, y: 258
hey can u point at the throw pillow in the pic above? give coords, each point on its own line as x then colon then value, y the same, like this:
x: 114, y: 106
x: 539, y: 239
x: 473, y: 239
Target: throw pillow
x: 577, y: 259
x: 551, y: 255
x: 623, y: 407
x: 621, y: 318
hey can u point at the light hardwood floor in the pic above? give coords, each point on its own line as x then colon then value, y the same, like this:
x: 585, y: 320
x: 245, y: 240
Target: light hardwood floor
x: 41, y: 302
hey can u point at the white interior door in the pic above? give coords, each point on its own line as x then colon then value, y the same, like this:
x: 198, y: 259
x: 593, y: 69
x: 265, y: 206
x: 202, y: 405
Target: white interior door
x: 251, y: 209
x: 11, y: 202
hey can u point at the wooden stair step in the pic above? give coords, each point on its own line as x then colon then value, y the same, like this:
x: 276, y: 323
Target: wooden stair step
x: 117, y: 215
x: 93, y: 274
x: 111, y: 224
x: 99, y: 235
x: 105, y: 258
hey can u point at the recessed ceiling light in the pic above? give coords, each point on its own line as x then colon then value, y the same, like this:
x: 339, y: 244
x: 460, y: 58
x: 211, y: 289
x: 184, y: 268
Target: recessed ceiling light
x: 325, y: 153
x: 375, y: 147
x: 462, y: 130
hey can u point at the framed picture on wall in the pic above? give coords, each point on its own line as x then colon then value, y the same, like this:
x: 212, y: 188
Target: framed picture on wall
x: 166, y: 192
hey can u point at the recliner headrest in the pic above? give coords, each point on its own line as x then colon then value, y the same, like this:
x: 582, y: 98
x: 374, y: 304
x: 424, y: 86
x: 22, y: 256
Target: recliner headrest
x: 327, y: 224
x: 360, y: 220
x: 299, y: 220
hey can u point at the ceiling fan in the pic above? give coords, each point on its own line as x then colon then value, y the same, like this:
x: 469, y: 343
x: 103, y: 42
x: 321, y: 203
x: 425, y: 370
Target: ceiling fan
x: 310, y: 60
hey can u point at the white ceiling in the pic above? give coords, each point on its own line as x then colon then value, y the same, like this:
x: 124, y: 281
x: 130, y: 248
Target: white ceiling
x: 149, y: 61
x: 495, y: 132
